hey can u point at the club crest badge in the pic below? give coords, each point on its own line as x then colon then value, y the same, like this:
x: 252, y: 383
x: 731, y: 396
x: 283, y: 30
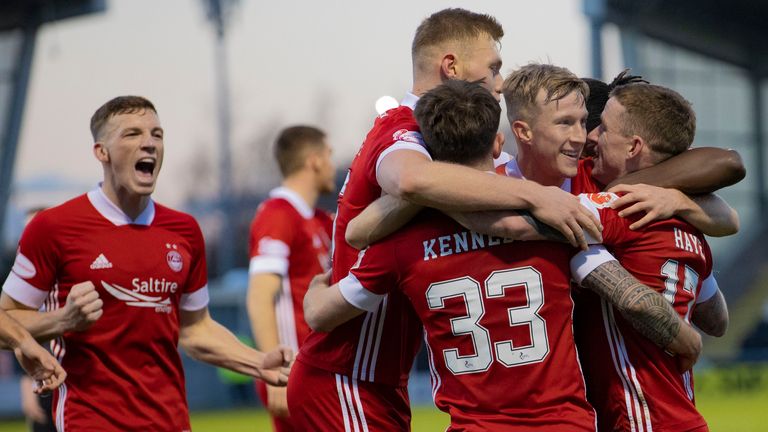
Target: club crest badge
x: 175, y: 262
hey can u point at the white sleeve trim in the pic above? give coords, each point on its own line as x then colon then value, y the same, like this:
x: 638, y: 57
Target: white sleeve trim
x: 268, y: 264
x: 356, y: 294
x: 584, y: 262
x: 401, y: 145
x: 708, y: 289
x: 24, y: 292
x: 195, y: 300
x: 503, y: 158
x: 586, y: 202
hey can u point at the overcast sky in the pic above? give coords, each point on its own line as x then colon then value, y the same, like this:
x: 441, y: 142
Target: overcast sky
x: 316, y: 62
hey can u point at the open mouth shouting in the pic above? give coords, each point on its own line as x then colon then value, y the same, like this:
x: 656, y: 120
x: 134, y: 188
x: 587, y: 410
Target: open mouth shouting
x: 145, y: 169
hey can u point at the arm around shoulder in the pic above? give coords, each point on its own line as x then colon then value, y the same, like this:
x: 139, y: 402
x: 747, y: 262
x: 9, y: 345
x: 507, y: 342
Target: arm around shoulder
x: 646, y: 310
x: 325, y: 307
x: 695, y: 171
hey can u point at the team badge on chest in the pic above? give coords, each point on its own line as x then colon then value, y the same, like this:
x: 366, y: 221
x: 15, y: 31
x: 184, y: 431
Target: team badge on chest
x: 173, y: 258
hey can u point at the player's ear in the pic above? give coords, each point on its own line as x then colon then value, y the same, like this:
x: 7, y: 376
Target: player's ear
x: 314, y: 161
x: 498, y: 144
x: 100, y: 151
x: 636, y: 146
x: 522, y: 131
x: 449, y: 66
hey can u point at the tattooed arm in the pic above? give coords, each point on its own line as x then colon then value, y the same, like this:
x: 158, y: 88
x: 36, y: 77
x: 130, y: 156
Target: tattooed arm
x: 646, y: 310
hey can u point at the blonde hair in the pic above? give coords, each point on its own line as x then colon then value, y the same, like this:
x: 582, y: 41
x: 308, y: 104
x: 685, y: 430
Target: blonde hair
x: 451, y: 25
x: 522, y: 87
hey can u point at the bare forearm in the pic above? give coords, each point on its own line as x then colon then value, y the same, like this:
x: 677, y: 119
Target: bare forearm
x: 516, y: 225
x: 210, y: 342
x: 458, y: 188
x: 43, y: 326
x: 263, y: 289
x: 646, y: 310
x: 325, y: 308
x: 380, y: 219
x: 314, y: 311
x: 711, y: 215
x: 711, y: 316
x: 12, y: 334
x: 263, y: 325
x: 696, y: 171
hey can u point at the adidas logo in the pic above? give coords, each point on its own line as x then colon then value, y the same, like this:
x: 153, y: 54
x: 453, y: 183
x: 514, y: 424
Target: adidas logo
x: 101, y: 262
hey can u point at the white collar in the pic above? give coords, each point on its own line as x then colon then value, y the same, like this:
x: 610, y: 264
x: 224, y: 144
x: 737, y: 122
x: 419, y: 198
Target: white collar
x: 294, y: 199
x: 512, y: 169
x: 410, y: 100
x: 114, y: 214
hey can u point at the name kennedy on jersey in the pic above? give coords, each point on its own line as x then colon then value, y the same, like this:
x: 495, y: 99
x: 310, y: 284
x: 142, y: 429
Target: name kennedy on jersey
x: 459, y: 242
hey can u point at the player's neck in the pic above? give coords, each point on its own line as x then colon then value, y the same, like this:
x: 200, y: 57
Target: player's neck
x: 423, y: 84
x: 130, y: 203
x: 531, y: 171
x: 483, y: 165
x: 305, y: 188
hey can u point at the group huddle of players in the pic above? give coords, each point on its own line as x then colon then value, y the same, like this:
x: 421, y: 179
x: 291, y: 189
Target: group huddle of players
x: 545, y: 301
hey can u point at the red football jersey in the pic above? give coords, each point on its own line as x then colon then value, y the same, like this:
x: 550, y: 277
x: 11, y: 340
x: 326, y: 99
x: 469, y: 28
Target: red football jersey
x: 291, y: 239
x: 497, y: 318
x: 379, y: 346
x: 633, y: 384
x: 584, y: 182
x: 124, y: 372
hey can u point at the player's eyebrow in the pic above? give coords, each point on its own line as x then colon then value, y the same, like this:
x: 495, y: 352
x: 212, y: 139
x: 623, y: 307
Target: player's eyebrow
x: 131, y: 129
x: 158, y: 129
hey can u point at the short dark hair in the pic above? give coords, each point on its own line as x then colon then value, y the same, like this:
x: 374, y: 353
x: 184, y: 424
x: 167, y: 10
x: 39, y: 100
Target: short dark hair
x: 292, y: 145
x: 454, y: 25
x: 458, y: 121
x: 659, y: 115
x: 599, y: 91
x: 118, y: 105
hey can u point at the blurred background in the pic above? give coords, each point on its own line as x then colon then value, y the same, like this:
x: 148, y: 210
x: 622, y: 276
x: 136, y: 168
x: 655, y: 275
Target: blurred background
x: 226, y: 76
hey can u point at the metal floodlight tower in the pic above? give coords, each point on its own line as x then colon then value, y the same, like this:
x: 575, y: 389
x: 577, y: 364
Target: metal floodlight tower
x: 218, y: 12
x: 21, y: 20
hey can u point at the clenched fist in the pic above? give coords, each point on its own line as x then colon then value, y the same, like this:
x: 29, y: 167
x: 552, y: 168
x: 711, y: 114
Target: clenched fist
x: 83, y: 306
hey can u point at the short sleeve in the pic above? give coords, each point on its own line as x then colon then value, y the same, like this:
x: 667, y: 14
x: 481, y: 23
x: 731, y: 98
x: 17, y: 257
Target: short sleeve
x: 195, y: 295
x: 615, y: 228
x: 502, y: 160
x: 709, y: 288
x: 34, y: 268
x: 584, y: 262
x: 271, y: 236
x: 371, y: 278
x: 414, y: 143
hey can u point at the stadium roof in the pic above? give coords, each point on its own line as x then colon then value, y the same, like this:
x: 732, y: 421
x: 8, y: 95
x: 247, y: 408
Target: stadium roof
x: 18, y: 13
x: 734, y: 31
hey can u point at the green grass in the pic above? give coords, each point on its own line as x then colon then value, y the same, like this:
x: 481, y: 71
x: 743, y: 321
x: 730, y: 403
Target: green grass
x: 424, y: 419
x: 256, y: 420
x: 732, y: 400
x: 736, y: 412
